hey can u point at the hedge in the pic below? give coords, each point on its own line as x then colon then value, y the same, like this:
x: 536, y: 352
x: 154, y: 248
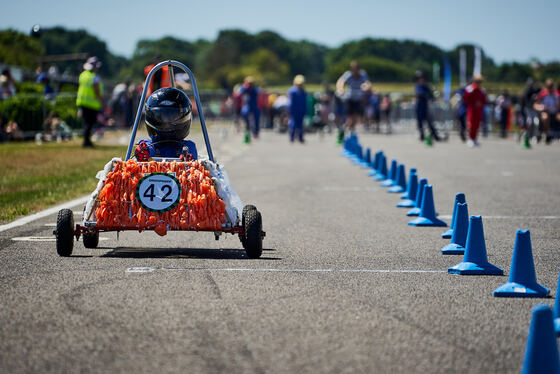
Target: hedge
x: 30, y: 110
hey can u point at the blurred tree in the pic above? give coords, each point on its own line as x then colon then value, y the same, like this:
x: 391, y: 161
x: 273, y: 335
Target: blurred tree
x: 262, y: 64
x: 58, y: 40
x: 378, y: 69
x: 166, y: 48
x: 19, y: 49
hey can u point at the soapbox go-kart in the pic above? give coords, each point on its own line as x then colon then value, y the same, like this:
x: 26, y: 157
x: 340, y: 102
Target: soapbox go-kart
x: 163, y: 194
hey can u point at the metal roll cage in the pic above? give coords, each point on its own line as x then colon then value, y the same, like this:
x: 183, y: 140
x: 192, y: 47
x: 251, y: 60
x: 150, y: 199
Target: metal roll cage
x: 159, y: 66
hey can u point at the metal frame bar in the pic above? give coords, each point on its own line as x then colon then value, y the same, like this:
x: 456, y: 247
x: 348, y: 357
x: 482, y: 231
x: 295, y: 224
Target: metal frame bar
x: 171, y: 64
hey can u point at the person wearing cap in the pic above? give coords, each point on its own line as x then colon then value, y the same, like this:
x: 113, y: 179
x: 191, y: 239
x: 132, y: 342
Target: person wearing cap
x: 250, y: 93
x: 90, y: 96
x: 298, y: 108
x: 423, y: 97
x: 475, y: 99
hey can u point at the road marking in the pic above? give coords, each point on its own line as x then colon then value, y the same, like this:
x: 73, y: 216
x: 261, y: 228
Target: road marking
x: 44, y: 213
x: 510, y: 217
x: 140, y: 270
x: 339, y: 188
x: 50, y: 224
x: 507, y: 173
x: 43, y: 238
x: 288, y: 270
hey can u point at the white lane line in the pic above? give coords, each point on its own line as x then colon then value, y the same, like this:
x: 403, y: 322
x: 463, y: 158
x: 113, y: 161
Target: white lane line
x: 289, y: 270
x: 510, y: 217
x: 140, y: 270
x: 44, y: 213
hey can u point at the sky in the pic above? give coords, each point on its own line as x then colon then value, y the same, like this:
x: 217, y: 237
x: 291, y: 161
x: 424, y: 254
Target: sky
x: 507, y: 30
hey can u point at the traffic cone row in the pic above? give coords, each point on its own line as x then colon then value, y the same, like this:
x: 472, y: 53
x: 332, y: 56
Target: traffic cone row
x: 467, y: 239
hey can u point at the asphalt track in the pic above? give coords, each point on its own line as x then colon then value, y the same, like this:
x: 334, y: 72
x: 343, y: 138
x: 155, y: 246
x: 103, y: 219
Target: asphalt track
x: 345, y: 285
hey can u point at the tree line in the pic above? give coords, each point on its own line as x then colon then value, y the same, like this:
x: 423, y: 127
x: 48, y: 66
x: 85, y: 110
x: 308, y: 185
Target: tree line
x: 267, y: 55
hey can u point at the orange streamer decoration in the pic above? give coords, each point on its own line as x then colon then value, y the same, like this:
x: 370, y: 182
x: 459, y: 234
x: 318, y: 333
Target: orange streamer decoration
x: 199, y: 208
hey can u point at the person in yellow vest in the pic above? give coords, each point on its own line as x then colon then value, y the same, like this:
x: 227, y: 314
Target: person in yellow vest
x: 90, y: 97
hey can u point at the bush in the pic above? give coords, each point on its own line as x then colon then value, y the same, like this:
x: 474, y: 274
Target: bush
x: 29, y: 111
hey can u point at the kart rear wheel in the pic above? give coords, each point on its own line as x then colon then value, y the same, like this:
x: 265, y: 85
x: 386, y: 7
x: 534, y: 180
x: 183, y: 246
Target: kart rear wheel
x: 65, y: 232
x: 252, y: 224
x: 91, y: 239
x: 246, y: 208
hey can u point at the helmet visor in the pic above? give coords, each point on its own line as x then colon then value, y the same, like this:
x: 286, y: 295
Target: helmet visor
x: 168, y: 118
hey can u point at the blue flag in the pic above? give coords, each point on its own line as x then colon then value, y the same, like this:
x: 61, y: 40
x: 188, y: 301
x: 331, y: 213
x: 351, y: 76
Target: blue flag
x: 446, y: 79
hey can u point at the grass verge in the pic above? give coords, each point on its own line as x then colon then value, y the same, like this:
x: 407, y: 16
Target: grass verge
x: 34, y: 177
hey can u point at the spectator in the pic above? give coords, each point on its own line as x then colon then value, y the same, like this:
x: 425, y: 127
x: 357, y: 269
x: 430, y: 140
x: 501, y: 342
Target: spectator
x: 298, y: 108
x: 475, y: 100
x: 262, y: 103
x: 386, y: 111
x: 43, y: 79
x: 54, y: 128
x: 160, y: 78
x: 271, y: 111
x: 528, y: 113
x: 90, y: 96
x: 462, y: 113
x: 326, y: 101
x: 504, y: 105
x: 373, y: 109
x: 358, y: 83
x: 547, y: 104
x: 423, y: 97
x: 7, y: 85
x: 249, y: 92
x: 13, y: 131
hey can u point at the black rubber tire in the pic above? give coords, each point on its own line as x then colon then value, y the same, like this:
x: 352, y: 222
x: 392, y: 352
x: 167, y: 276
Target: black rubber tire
x: 65, y: 232
x: 246, y: 208
x: 253, y: 233
x: 91, y: 239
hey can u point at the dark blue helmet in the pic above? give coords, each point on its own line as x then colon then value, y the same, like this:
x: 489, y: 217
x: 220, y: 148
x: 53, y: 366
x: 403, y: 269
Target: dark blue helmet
x: 168, y: 114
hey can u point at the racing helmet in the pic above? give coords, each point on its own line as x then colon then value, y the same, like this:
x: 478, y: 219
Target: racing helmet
x: 168, y: 114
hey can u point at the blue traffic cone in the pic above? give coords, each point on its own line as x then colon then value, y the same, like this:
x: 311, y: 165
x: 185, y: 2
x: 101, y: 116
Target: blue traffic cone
x: 405, y: 194
x: 541, y: 353
x: 459, y: 198
x: 400, y: 181
x: 366, y: 161
x: 358, y: 155
x: 375, y: 164
x: 427, y: 215
x: 419, y: 195
x: 459, y: 237
x: 556, y: 311
x: 410, y: 202
x: 475, y: 260
x: 382, y: 171
x: 522, y: 280
x: 390, y: 181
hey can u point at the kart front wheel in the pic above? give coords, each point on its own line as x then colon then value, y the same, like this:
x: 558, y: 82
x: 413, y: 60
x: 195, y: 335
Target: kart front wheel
x: 252, y: 224
x: 91, y: 239
x: 65, y: 232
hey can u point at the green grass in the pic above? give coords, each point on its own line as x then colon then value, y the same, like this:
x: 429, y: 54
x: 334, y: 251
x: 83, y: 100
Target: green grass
x: 408, y: 88
x: 33, y: 177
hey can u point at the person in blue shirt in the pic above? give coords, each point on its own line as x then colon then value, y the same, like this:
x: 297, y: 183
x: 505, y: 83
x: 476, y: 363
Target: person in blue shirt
x: 423, y: 97
x: 249, y: 92
x: 298, y: 108
x: 168, y: 121
x: 462, y: 113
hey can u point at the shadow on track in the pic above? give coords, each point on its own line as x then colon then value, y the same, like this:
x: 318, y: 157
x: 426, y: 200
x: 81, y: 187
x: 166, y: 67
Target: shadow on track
x: 220, y: 254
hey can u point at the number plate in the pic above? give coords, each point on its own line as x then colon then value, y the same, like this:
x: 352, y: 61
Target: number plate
x: 158, y: 192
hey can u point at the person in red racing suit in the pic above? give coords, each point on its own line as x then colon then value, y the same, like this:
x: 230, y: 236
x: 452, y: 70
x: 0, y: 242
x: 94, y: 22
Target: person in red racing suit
x: 475, y: 99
